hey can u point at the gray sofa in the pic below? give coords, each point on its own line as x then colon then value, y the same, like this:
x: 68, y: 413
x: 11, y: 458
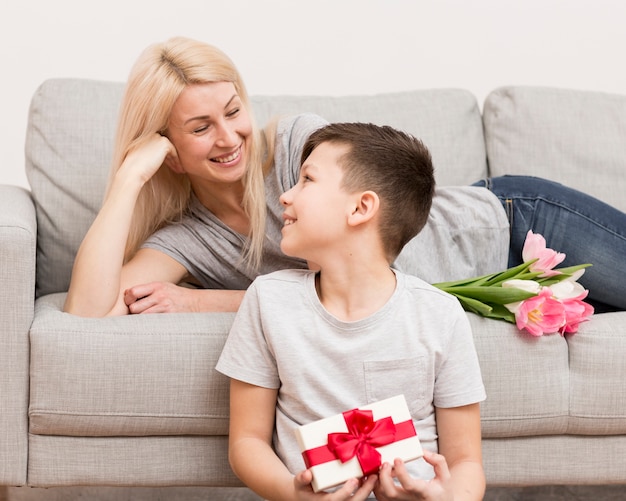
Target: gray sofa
x: 136, y: 401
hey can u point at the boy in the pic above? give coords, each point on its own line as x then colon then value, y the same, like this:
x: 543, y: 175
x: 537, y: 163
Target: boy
x: 309, y: 344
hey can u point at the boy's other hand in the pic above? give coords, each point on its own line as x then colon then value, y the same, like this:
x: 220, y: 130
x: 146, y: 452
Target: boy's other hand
x: 437, y: 489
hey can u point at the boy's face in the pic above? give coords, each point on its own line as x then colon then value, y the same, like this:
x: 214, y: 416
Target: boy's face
x: 317, y: 208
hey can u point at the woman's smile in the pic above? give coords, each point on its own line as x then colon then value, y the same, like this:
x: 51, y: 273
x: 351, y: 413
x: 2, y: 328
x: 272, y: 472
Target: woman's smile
x: 228, y: 159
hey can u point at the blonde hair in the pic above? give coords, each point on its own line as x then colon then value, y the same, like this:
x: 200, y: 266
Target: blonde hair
x: 156, y: 81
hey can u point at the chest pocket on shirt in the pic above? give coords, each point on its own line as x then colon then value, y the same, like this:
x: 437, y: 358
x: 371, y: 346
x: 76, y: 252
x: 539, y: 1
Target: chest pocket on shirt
x: 409, y: 376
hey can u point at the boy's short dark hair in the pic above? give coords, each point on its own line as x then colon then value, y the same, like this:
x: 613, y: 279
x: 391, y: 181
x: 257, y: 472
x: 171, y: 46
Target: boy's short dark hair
x: 392, y: 163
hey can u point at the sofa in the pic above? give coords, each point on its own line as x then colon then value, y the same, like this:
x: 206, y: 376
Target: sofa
x: 135, y: 400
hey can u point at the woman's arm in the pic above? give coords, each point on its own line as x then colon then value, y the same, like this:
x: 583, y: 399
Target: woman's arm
x: 137, y: 295
x: 98, y: 279
x: 166, y: 297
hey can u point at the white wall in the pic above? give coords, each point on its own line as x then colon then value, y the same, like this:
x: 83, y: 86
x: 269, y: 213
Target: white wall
x: 315, y: 46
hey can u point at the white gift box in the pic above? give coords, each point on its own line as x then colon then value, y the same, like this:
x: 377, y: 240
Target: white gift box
x: 390, y: 424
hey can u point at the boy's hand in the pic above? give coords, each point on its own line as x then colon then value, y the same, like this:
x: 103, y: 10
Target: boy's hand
x: 353, y: 489
x: 437, y: 489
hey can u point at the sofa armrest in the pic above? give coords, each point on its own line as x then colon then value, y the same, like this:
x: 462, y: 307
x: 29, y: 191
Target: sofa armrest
x: 18, y: 241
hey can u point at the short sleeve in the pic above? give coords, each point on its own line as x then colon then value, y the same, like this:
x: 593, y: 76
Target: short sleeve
x: 246, y: 355
x: 459, y: 380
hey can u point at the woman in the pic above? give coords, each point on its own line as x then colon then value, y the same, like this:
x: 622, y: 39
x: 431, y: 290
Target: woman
x: 186, y: 143
x: 194, y: 197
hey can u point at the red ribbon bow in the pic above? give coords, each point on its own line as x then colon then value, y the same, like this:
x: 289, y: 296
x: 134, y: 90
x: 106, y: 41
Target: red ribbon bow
x: 364, y: 435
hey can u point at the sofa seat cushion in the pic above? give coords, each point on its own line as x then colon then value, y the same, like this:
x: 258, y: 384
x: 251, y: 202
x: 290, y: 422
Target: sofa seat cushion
x: 597, y: 355
x: 552, y: 385
x: 126, y: 376
x: 526, y: 380
x: 574, y: 137
x: 129, y: 461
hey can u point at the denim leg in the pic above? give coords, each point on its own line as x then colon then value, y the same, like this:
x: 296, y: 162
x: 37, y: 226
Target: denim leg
x: 579, y: 225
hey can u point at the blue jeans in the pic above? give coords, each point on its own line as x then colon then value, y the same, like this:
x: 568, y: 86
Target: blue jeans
x: 579, y: 225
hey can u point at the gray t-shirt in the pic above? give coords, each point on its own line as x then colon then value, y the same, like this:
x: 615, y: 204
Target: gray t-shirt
x: 467, y: 233
x: 419, y: 344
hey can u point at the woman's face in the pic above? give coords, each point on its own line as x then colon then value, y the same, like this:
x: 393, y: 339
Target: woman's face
x: 211, y: 131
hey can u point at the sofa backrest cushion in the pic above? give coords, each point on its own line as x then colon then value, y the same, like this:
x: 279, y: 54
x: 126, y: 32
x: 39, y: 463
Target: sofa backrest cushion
x: 69, y: 141
x: 448, y: 121
x: 574, y: 137
x: 70, y: 135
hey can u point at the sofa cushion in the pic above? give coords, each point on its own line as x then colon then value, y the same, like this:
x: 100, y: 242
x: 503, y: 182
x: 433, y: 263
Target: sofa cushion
x: 598, y: 377
x: 129, y: 461
x: 526, y: 380
x: 552, y: 385
x: 447, y: 120
x: 556, y: 460
x: 135, y: 375
x: 69, y: 140
x: 574, y: 137
x: 70, y: 135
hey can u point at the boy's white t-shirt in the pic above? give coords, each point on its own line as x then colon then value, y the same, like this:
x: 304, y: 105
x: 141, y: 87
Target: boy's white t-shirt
x: 418, y: 344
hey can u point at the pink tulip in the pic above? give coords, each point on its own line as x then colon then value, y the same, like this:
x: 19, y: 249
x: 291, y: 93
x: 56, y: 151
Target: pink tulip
x: 576, y: 312
x: 558, y: 307
x: 535, y: 248
x: 540, y: 314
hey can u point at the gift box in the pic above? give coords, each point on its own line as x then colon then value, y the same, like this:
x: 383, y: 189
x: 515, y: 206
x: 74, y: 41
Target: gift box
x: 356, y: 442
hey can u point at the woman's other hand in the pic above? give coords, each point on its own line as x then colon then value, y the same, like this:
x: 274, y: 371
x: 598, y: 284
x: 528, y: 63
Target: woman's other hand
x: 160, y: 297
x: 166, y: 297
